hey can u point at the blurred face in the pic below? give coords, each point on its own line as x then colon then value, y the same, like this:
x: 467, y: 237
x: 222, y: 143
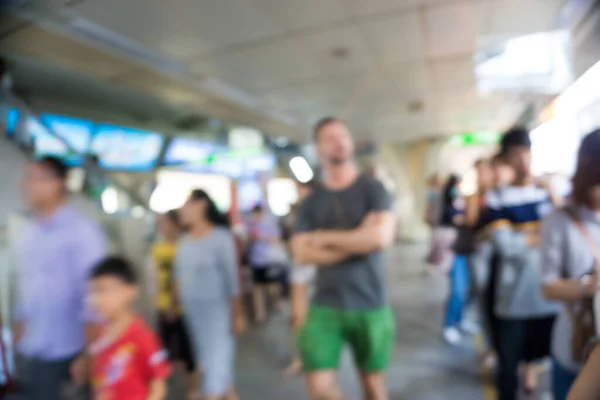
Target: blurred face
x: 334, y: 144
x: 504, y: 174
x: 41, y: 187
x: 166, y: 227
x: 192, y: 212
x: 519, y: 158
x: 109, y: 296
x: 256, y: 215
x: 434, y: 182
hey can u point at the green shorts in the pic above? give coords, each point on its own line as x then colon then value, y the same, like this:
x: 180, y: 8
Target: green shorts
x: 370, y: 335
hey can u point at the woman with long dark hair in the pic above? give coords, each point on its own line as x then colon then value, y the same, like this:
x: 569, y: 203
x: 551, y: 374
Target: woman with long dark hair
x: 208, y: 286
x: 445, y: 230
x: 570, y: 244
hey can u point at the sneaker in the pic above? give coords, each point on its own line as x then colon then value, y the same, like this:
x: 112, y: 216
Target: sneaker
x: 452, y: 336
x: 469, y: 327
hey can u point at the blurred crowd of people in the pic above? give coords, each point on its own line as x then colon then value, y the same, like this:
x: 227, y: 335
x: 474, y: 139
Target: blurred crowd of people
x: 76, y: 318
x: 526, y: 253
x: 520, y: 250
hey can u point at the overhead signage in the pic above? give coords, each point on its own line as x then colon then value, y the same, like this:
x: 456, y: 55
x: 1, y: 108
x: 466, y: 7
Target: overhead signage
x: 63, y: 137
x: 126, y: 149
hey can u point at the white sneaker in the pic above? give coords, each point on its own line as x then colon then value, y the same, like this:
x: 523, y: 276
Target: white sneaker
x: 469, y: 327
x: 452, y: 336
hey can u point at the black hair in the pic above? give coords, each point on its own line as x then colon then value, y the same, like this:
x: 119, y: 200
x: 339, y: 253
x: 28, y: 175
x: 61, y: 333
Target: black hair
x: 116, y: 267
x: 213, y: 214
x: 54, y: 165
x: 515, y: 137
x: 447, y: 194
x: 173, y: 216
x: 587, y: 173
x: 258, y: 208
x: 322, y: 123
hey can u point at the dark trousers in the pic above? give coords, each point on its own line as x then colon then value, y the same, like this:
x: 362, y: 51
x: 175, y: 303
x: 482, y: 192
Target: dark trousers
x: 46, y: 380
x: 526, y: 340
x: 175, y: 338
x: 488, y: 304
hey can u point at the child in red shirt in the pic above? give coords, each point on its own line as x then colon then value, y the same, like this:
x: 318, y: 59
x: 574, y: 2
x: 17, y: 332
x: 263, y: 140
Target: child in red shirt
x: 128, y: 362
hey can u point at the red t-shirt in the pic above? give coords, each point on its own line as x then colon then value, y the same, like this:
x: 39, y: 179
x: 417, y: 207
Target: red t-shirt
x: 124, y: 368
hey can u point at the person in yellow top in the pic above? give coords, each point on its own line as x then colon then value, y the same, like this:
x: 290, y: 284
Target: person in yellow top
x: 171, y: 324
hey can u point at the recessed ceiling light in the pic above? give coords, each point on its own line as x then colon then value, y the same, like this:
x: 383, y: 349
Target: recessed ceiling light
x: 415, y: 106
x: 340, y: 53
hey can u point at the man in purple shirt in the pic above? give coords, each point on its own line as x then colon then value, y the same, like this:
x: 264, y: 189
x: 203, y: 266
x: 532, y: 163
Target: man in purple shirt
x: 55, y: 257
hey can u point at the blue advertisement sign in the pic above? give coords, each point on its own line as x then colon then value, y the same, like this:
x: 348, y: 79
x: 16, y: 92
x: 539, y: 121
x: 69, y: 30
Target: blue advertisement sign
x: 187, y: 150
x: 126, y: 149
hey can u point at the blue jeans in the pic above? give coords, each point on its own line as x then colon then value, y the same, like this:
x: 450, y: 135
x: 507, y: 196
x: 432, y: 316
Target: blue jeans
x: 562, y: 380
x: 459, y: 290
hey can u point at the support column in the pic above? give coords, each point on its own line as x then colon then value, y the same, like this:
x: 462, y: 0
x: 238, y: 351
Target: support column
x: 409, y: 165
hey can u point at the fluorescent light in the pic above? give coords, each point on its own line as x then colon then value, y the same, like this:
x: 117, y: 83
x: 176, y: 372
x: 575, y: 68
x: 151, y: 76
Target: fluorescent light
x: 301, y: 169
x: 110, y: 200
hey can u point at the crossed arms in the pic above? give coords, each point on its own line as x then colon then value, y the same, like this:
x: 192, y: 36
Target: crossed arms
x: 325, y: 248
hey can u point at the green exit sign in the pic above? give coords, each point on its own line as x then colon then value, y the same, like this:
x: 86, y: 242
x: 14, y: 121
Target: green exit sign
x: 475, y: 138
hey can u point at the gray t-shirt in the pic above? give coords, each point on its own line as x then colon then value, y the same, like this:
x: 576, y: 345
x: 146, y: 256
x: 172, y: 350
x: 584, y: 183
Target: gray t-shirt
x: 565, y: 254
x: 357, y: 284
x: 206, y: 268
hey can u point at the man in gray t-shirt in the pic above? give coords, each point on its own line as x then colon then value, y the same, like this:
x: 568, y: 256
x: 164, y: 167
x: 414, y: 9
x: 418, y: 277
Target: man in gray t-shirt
x: 343, y: 228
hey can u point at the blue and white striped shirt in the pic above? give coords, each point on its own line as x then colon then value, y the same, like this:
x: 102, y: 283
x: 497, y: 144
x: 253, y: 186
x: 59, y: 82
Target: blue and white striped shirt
x: 518, y: 212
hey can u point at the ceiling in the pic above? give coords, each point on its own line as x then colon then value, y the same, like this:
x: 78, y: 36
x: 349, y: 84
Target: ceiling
x: 396, y: 70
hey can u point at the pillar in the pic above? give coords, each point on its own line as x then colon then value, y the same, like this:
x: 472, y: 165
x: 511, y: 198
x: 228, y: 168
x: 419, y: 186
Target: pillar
x: 409, y: 165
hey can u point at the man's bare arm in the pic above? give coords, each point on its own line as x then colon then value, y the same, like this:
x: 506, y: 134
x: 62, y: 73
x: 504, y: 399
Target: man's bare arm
x: 375, y: 233
x: 304, y: 252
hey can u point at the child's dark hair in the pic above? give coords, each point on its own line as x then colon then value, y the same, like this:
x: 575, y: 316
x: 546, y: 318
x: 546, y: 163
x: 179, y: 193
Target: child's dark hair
x: 117, y: 267
x: 55, y: 166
